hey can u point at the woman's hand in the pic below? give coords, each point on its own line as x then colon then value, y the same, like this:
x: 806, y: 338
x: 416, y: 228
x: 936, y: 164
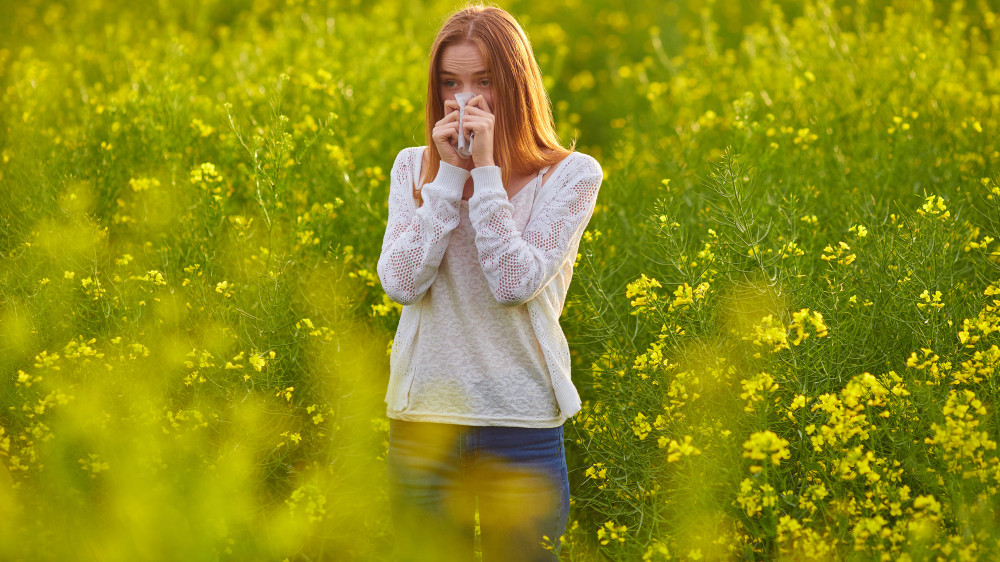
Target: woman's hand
x: 445, y: 135
x: 479, y: 121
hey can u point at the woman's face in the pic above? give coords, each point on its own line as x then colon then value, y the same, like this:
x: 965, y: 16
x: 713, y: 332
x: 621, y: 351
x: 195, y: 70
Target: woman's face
x: 462, y: 70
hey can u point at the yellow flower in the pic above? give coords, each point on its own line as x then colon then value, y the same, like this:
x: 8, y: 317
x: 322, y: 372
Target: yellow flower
x: 930, y: 300
x: 597, y: 471
x: 258, y: 362
x: 203, y: 129
x: 611, y: 533
x: 642, y: 293
x: 839, y: 254
x: 640, y: 426
x: 205, y: 173
x: 94, y: 465
x: 143, y: 184
x: 756, y: 388
x: 766, y: 445
x: 386, y: 307
x: 934, y: 206
x: 224, y: 288
x: 677, y: 450
x: 310, y: 500
x: 769, y: 332
x: 803, y: 317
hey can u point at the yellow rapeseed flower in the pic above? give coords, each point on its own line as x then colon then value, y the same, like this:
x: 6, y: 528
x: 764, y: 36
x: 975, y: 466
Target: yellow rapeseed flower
x: 765, y: 445
x: 643, y: 294
x: 611, y: 533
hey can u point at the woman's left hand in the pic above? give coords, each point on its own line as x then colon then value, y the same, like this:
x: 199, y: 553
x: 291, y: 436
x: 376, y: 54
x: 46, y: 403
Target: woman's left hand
x: 479, y: 120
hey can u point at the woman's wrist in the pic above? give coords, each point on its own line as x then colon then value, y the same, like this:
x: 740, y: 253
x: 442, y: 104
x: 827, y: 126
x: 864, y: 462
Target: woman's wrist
x: 487, y: 181
x: 449, y: 181
x: 454, y: 169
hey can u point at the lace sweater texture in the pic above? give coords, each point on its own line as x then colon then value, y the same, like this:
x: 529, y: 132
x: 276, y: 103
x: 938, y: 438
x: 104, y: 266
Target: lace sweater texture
x: 526, y: 257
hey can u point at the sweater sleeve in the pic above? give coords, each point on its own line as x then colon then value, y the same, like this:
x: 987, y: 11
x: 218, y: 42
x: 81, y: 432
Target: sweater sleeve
x: 416, y: 237
x: 518, y: 265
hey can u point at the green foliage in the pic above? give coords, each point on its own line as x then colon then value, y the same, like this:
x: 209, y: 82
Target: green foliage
x: 783, y: 318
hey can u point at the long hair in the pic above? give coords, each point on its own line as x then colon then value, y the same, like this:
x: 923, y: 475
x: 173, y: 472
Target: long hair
x: 524, y: 138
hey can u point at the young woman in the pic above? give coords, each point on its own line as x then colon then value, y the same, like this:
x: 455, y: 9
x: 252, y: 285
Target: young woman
x: 480, y: 252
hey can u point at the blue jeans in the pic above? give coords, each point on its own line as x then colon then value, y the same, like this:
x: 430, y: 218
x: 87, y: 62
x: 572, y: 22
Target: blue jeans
x: 437, y: 472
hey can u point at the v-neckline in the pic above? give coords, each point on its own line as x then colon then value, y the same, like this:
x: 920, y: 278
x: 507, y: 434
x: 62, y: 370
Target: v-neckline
x: 524, y: 187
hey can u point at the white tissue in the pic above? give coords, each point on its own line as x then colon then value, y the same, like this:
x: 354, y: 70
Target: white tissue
x: 464, y: 144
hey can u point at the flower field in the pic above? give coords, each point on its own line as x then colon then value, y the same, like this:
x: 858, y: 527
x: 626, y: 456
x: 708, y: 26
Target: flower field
x: 784, y: 319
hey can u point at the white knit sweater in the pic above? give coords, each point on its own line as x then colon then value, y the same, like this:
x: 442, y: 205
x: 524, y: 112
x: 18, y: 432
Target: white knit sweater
x: 531, y: 268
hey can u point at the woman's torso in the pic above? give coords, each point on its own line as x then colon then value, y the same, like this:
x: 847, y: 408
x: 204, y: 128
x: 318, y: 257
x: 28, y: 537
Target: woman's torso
x: 475, y: 361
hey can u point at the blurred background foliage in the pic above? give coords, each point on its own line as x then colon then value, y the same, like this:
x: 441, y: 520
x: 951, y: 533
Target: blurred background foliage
x: 782, y: 319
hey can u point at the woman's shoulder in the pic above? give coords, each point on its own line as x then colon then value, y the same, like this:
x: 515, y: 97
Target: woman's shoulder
x: 576, y: 165
x: 409, y: 154
x: 409, y: 162
x: 586, y: 161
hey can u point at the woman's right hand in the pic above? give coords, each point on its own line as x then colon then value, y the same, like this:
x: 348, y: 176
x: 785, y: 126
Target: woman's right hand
x: 445, y: 135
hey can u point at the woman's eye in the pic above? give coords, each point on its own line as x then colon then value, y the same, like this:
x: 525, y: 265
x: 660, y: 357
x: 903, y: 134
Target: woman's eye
x: 450, y: 83
x: 484, y: 82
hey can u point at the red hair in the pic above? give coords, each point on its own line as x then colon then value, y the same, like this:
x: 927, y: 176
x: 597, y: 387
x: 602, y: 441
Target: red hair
x: 525, y: 138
